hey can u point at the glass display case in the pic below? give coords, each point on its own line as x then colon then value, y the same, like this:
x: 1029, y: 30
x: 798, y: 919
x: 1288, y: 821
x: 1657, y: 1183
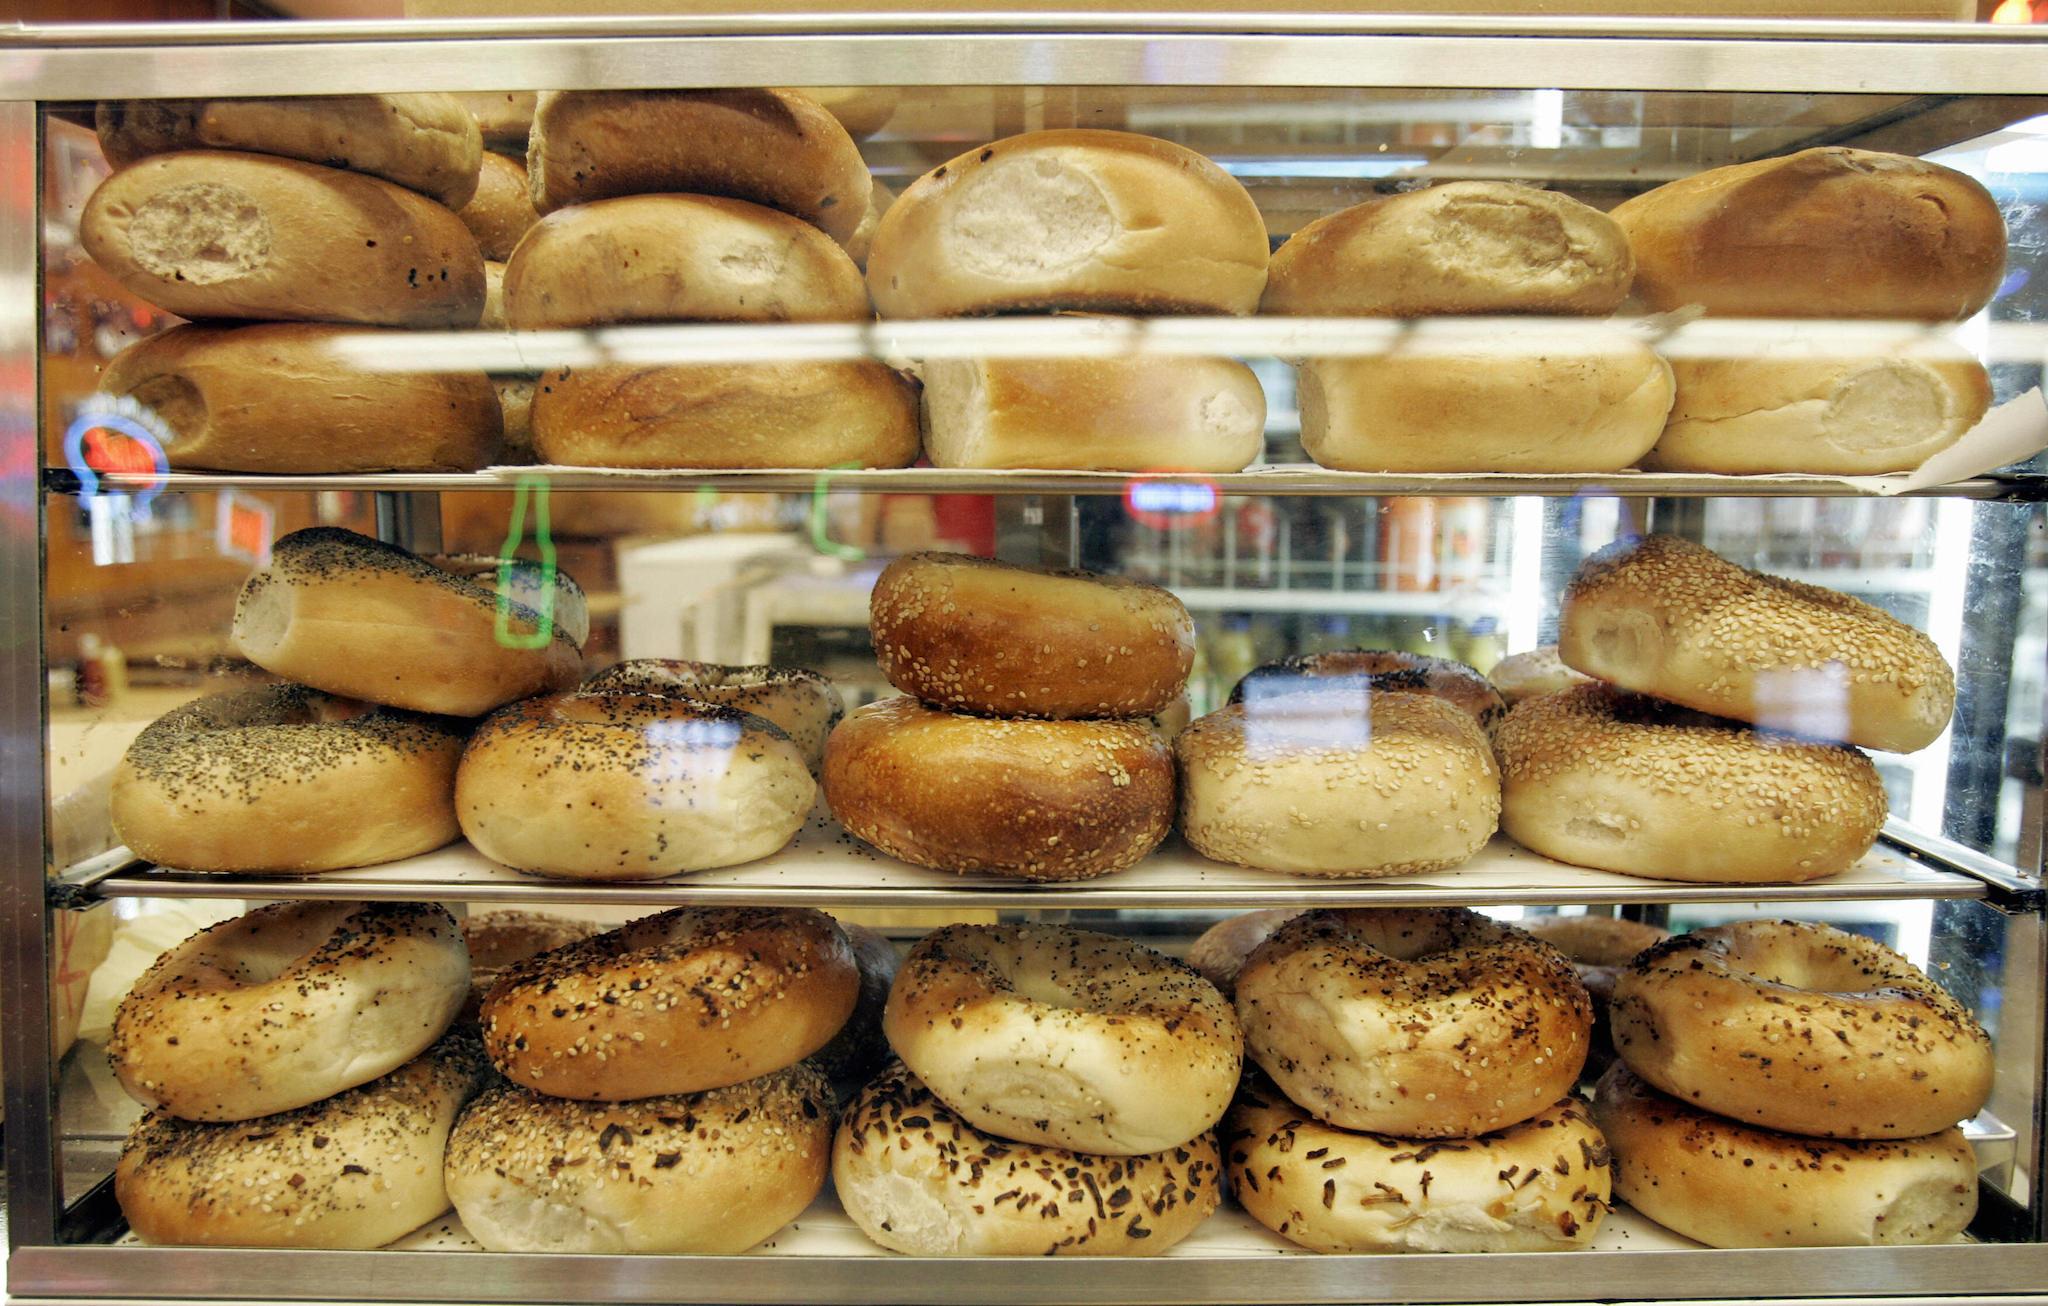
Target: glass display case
x: 120, y: 566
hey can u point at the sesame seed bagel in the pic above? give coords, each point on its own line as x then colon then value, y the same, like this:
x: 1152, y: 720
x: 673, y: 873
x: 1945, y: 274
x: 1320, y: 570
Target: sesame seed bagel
x: 292, y: 1003
x: 354, y: 1171
x: 1218, y: 955
x: 1324, y: 783
x: 1032, y: 800
x: 1598, y: 777
x: 1538, y: 1186
x: 1375, y: 671
x: 498, y: 939
x: 1732, y: 1185
x: 282, y: 778
x: 919, y: 1179
x: 1538, y: 671
x: 1065, y: 1037
x: 526, y: 583
x: 1803, y: 1028
x: 713, y: 1172
x: 352, y: 615
x: 690, y: 999
x: 1663, y: 616
x: 802, y: 702
x: 613, y: 786
x: 984, y: 636
x: 1426, y: 1023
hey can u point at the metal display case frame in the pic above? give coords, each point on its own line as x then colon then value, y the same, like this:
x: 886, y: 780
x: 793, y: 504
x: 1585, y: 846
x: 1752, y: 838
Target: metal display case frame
x: 1965, y: 79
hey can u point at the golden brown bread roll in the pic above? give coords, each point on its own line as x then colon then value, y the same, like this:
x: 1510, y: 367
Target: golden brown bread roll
x: 502, y: 208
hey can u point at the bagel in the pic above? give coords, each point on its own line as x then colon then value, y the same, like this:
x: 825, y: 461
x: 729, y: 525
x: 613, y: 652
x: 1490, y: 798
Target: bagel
x: 1661, y: 615
x: 354, y: 1171
x: 920, y: 1179
x: 282, y: 778
x: 1031, y: 800
x: 687, y: 1000
x: 862, y: 110
x: 1374, y: 671
x: 1324, y: 783
x: 1538, y: 1186
x: 983, y: 636
x: 1104, y: 221
x: 292, y: 1003
x: 1801, y: 1028
x: 803, y: 703
x: 1066, y: 1038
x: 860, y: 1047
x: 1538, y: 671
x: 501, y: 211
x: 524, y: 583
x: 1597, y: 947
x: 713, y: 1172
x: 1731, y: 1185
x: 1427, y: 1023
x: 1219, y: 953
x: 610, y: 786
x: 352, y: 615
x: 497, y: 939
x: 504, y: 117
x: 1599, y: 777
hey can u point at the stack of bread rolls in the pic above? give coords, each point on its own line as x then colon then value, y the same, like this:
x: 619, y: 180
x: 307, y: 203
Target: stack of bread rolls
x: 283, y: 224
x: 1079, y: 221
x: 498, y: 214
x: 1021, y: 745
x: 1792, y: 1085
x: 701, y: 206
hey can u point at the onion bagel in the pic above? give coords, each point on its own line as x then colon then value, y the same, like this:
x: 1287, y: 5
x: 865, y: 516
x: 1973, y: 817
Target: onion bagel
x: 1375, y: 671
x: 802, y: 702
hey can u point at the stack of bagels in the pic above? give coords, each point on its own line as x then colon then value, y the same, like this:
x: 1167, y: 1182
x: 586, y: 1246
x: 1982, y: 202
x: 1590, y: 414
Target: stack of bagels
x: 1720, y: 738
x: 283, y: 225
x: 1021, y: 745
x: 498, y: 214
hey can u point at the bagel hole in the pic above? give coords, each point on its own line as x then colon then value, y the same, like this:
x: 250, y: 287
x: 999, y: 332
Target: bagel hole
x: 263, y: 615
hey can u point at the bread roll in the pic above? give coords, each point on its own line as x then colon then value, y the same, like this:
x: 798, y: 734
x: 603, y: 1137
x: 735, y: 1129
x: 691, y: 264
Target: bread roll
x: 504, y: 117
x: 426, y: 142
x: 1459, y: 247
x: 777, y: 148
x: 1828, y: 232
x: 275, y: 397
x: 1531, y: 399
x: 502, y: 208
x: 205, y: 233
x: 795, y: 414
x: 1108, y: 221
x: 678, y: 258
x: 1118, y: 414
x: 1795, y: 409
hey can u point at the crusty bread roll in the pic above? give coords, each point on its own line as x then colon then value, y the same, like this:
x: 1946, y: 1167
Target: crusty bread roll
x: 426, y: 142
x: 678, y: 258
x: 1459, y: 247
x: 207, y: 233
x: 1118, y: 414
x: 502, y: 208
x: 1795, y: 409
x: 794, y: 414
x: 274, y: 397
x: 1519, y: 399
x: 1077, y: 219
x: 504, y: 117
x: 1828, y: 232
x: 778, y: 148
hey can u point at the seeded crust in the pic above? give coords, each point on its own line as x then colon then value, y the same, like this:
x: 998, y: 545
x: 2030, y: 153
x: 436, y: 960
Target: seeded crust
x: 1541, y: 1185
x: 1733, y: 1185
x: 1598, y: 777
x: 355, y: 1171
x: 1538, y: 671
x: 289, y: 1004
x: 1366, y: 672
x: 1663, y: 616
x: 1219, y: 954
x: 690, y: 999
x: 1426, y: 1023
x: 802, y: 702
x: 1317, y: 784
x: 1803, y: 1028
x: 1032, y: 800
x: 1065, y: 1037
x: 919, y: 1179
x: 977, y: 635
x: 282, y: 778
x: 712, y: 1173
x: 497, y: 939
x: 524, y: 576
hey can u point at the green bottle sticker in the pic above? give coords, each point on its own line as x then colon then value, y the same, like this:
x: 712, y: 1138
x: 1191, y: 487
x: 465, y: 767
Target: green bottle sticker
x: 532, y: 489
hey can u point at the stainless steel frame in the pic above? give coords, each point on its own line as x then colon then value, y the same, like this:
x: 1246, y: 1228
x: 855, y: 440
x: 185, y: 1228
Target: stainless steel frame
x: 48, y: 65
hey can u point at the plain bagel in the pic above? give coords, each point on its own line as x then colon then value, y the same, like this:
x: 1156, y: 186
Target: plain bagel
x: 1802, y: 1028
x: 287, y: 1005
x: 802, y: 702
x: 1066, y: 1038
x: 1424, y: 1023
x: 690, y: 999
